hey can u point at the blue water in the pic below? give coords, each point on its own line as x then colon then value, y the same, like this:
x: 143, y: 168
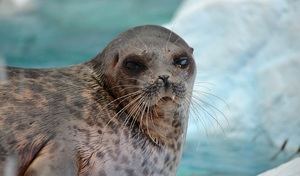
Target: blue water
x: 57, y: 33
x: 218, y: 156
x: 64, y: 32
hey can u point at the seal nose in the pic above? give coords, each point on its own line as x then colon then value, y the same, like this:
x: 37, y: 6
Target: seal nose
x: 165, y: 78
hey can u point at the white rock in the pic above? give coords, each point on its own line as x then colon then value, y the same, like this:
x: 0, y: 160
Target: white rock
x: 291, y: 168
x: 280, y: 102
x: 250, y: 51
x: 12, y: 7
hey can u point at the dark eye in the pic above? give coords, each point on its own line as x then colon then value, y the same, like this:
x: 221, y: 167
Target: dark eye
x: 181, y: 62
x: 134, y: 66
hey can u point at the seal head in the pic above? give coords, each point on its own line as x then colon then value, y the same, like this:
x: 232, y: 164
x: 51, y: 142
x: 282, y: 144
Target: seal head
x: 150, y: 71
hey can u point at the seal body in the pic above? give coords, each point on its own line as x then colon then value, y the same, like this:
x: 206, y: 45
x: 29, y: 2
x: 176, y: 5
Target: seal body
x: 124, y: 112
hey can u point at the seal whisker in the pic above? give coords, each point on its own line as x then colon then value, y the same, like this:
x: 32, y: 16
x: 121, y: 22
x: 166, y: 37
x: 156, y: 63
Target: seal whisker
x: 203, y: 103
x: 166, y: 47
x: 142, y: 115
x: 134, y: 110
x: 205, y: 111
x: 133, y: 105
x: 128, y: 89
x: 213, y: 95
x: 122, y: 110
x: 195, y: 111
x: 123, y: 98
x: 135, y: 114
x: 147, y: 126
x: 139, y: 39
x: 214, y: 109
x: 151, y: 70
x: 121, y: 86
x: 176, y: 40
x: 120, y: 99
x: 203, y: 82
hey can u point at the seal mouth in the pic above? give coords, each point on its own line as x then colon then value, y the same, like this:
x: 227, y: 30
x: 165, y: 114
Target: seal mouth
x: 167, y: 98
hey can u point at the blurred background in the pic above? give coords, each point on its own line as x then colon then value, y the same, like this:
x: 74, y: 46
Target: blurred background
x: 245, y: 115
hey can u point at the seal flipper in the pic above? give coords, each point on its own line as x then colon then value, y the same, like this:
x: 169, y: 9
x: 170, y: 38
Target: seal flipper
x: 54, y: 159
x: 28, y: 153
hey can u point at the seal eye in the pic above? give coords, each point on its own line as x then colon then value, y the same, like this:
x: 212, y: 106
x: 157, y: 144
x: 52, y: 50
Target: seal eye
x: 181, y: 62
x: 134, y: 66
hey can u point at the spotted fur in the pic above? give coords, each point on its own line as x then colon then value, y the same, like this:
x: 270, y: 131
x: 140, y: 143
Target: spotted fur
x: 66, y: 121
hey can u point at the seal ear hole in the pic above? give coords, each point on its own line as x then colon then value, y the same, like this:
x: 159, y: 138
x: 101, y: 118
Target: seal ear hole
x: 116, y: 59
x: 191, y: 50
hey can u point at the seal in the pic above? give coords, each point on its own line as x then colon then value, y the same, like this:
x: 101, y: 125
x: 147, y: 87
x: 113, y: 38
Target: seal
x: 124, y: 112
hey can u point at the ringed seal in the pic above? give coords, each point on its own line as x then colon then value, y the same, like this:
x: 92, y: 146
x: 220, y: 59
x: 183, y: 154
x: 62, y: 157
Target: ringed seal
x: 124, y: 112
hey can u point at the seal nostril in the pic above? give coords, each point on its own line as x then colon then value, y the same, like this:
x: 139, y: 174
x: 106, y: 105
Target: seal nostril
x: 165, y: 78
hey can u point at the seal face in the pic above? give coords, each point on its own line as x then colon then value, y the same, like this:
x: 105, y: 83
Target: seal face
x: 125, y: 112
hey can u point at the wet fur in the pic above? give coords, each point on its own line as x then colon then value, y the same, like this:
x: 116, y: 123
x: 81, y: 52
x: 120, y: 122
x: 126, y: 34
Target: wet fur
x: 66, y: 121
